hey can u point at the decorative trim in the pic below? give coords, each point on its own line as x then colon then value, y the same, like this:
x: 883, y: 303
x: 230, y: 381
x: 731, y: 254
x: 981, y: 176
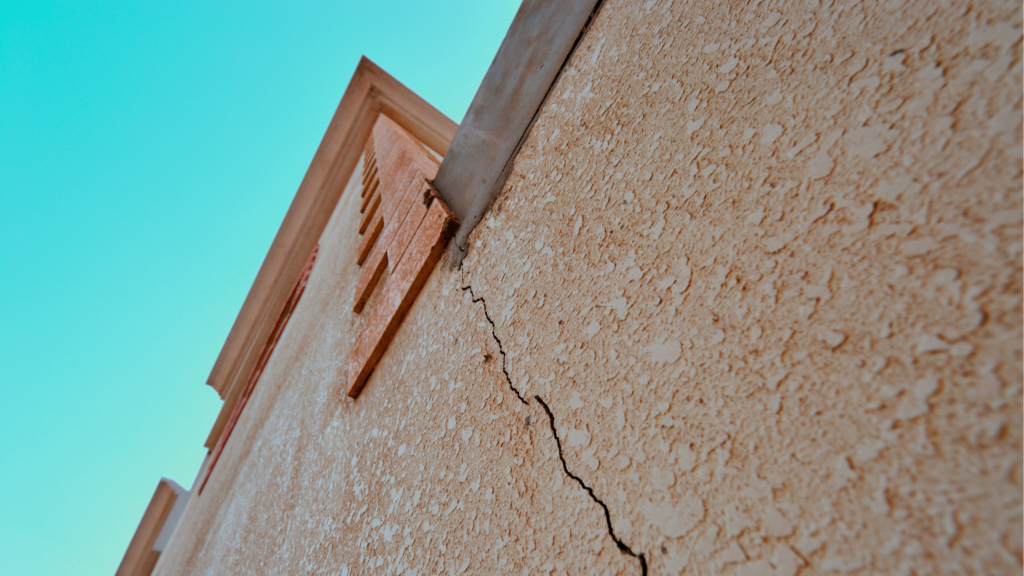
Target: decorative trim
x: 264, y: 357
x: 370, y: 92
x: 143, y: 552
x: 536, y: 48
x: 405, y: 227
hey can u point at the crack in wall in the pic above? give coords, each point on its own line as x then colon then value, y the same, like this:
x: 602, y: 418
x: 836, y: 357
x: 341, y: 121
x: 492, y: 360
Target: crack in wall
x: 501, y: 348
x: 623, y: 547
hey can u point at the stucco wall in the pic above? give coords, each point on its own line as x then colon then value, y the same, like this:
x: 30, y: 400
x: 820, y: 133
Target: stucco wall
x: 762, y: 263
x: 434, y: 469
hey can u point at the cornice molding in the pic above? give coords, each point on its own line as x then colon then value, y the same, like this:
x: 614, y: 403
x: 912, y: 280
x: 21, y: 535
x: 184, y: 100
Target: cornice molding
x: 371, y: 91
x: 145, y: 547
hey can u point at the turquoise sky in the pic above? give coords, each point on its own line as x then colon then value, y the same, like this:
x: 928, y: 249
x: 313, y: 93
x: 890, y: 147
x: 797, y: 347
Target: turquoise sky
x: 147, y: 156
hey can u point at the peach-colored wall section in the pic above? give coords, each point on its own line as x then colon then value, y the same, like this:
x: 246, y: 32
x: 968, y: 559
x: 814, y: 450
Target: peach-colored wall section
x: 763, y: 260
x: 435, y: 468
x: 758, y: 265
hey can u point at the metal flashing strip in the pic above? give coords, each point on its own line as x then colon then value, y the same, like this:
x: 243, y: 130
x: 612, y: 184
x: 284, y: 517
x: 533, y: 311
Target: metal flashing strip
x: 537, y: 46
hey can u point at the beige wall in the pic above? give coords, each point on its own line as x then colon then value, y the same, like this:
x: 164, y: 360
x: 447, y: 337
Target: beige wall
x: 433, y: 468
x: 784, y: 246
x: 764, y: 265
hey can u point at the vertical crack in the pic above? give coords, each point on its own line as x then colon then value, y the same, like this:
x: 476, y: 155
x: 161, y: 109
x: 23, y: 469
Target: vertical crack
x: 623, y: 547
x: 607, y: 515
x: 504, y: 357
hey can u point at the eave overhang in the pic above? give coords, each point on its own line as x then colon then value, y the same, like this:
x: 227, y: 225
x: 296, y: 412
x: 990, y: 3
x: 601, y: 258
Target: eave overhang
x: 371, y: 91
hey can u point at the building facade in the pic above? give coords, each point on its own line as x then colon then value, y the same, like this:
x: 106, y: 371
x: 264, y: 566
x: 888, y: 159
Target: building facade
x: 695, y: 288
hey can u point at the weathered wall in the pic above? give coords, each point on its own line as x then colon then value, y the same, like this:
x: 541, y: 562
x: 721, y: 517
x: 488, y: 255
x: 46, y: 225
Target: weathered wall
x: 436, y: 468
x: 763, y: 261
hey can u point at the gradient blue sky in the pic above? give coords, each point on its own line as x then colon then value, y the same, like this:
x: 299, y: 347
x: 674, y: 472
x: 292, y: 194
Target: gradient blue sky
x: 147, y: 156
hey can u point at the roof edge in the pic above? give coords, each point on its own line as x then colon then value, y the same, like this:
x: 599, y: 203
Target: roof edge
x: 140, y: 556
x: 370, y: 92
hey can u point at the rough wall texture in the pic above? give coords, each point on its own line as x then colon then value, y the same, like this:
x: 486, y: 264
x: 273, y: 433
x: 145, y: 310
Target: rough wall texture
x: 763, y: 261
x: 436, y: 468
x: 759, y: 264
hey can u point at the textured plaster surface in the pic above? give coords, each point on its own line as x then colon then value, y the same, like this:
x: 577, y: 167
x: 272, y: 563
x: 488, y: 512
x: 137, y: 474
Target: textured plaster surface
x: 757, y: 265
x: 763, y: 262
x: 437, y: 468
